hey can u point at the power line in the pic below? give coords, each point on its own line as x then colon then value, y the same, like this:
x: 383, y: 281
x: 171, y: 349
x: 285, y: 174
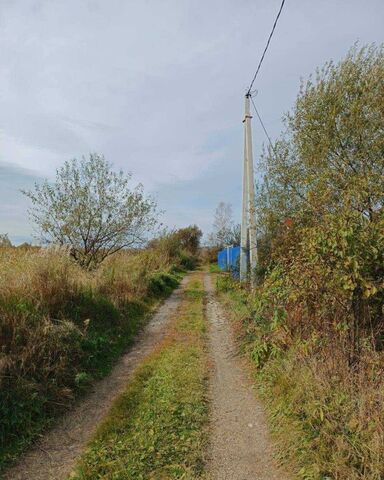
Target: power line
x: 262, y: 124
x: 266, y: 47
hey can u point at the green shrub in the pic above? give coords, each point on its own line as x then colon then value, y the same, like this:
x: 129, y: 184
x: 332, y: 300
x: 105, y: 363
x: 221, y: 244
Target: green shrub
x: 61, y: 327
x: 187, y: 261
x: 327, y: 418
x: 320, y: 216
x: 161, y: 283
x: 82, y: 379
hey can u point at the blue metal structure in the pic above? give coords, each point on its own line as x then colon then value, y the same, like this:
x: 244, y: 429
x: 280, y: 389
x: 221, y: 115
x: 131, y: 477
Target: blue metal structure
x: 228, y: 260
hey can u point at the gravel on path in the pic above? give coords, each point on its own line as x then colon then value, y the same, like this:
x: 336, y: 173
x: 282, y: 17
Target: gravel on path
x: 241, y: 448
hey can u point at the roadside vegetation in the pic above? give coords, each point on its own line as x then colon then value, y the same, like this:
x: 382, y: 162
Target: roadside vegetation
x: 157, y: 427
x: 314, y: 326
x: 92, y: 210
x: 70, y: 309
x: 63, y: 327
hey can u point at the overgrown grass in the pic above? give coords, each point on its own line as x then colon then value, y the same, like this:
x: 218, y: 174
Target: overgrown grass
x: 327, y: 418
x: 214, y: 268
x: 156, y: 429
x: 61, y: 328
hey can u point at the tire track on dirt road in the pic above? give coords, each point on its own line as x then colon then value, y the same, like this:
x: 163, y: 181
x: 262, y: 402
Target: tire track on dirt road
x: 240, y: 445
x: 54, y: 455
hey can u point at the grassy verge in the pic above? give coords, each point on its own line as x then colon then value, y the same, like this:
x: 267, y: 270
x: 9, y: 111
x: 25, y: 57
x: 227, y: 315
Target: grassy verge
x: 327, y: 420
x: 156, y: 429
x: 61, y: 329
x: 214, y: 268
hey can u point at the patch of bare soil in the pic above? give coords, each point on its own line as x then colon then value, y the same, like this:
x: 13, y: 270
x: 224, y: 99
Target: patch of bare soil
x: 54, y: 455
x: 240, y: 445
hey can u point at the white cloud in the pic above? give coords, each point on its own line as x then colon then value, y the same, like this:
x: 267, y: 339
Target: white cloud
x: 157, y: 86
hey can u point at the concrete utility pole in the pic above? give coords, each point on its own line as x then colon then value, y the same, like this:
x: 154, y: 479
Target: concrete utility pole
x: 244, y: 216
x: 248, y: 221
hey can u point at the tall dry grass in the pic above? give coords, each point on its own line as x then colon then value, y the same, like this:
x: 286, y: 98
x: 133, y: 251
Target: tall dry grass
x: 61, y: 327
x: 328, y: 416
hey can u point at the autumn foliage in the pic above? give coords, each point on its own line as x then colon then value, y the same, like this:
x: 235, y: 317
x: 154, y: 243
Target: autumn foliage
x: 314, y: 326
x: 321, y: 205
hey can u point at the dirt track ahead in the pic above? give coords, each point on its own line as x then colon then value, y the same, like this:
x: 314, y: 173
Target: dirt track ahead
x: 240, y: 445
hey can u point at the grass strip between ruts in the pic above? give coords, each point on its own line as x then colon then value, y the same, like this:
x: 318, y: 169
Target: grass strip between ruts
x: 156, y: 428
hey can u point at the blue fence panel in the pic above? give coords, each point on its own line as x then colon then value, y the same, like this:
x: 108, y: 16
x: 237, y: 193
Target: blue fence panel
x: 229, y: 259
x: 222, y: 259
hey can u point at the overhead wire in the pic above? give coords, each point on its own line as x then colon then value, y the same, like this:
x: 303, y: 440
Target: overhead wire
x: 250, y: 92
x: 266, y: 47
x: 262, y: 124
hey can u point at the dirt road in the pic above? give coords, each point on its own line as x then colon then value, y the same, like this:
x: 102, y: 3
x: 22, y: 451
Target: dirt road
x: 55, y: 455
x: 240, y: 445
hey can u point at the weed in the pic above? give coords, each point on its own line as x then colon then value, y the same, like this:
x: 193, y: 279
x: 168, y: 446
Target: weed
x: 156, y: 428
x: 327, y: 418
x: 62, y: 327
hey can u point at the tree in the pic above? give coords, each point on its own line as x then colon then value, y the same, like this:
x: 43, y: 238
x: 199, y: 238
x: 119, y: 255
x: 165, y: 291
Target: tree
x: 189, y: 238
x: 181, y: 246
x: 4, y: 240
x: 322, y: 202
x: 180, y: 240
x: 331, y: 155
x: 224, y: 232
x: 92, y: 209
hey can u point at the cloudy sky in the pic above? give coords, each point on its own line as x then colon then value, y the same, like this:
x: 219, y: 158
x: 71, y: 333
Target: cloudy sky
x: 157, y: 86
